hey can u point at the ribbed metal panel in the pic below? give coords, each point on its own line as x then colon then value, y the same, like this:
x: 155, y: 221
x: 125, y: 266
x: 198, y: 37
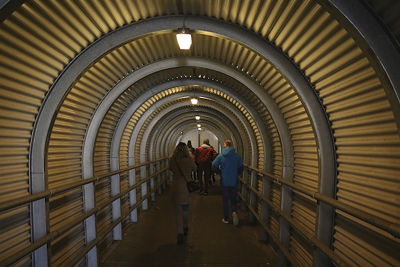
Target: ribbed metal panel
x: 301, y: 250
x: 25, y: 261
x: 124, y: 182
x: 274, y: 226
x: 359, y: 246
x: 276, y: 197
x: 64, y: 208
x: 260, y: 148
x: 102, y: 246
x: 103, y: 216
x: 304, y: 212
x: 14, y: 231
x: 67, y: 245
x: 41, y: 37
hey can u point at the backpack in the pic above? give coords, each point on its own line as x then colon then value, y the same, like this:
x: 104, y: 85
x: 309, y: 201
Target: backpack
x: 205, y: 154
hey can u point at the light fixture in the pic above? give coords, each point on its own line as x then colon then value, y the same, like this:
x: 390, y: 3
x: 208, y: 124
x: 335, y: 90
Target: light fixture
x: 198, y: 125
x: 199, y: 129
x: 194, y: 101
x: 197, y: 117
x: 184, y: 38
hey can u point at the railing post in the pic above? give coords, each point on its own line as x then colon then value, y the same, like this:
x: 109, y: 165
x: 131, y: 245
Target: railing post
x: 152, y: 180
x: 116, y: 205
x: 145, y: 203
x: 159, y: 177
x: 244, y: 189
x: 90, y: 222
x: 166, y: 174
x: 39, y: 217
x: 253, y: 196
x: 265, y: 210
x: 132, y: 195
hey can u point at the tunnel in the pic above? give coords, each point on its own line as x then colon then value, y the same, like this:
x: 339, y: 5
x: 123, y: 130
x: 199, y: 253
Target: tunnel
x: 95, y: 95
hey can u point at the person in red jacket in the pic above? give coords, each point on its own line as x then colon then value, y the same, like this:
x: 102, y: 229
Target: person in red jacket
x: 204, y: 155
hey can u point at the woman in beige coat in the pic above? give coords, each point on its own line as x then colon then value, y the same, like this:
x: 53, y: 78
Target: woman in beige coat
x: 183, y: 160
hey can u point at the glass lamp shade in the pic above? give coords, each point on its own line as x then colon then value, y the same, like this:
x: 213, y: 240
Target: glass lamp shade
x: 194, y: 101
x: 184, y: 40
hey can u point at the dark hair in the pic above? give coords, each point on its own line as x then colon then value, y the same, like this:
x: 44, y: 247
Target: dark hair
x: 181, y: 146
x: 181, y: 151
x: 206, y: 141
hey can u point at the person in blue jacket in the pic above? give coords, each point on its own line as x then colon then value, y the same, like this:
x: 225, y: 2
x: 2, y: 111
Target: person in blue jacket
x: 229, y: 165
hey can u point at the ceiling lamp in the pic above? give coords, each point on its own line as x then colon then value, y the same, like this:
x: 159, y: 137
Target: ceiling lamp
x: 198, y: 125
x: 197, y: 117
x: 199, y: 129
x: 184, y: 39
x: 194, y: 101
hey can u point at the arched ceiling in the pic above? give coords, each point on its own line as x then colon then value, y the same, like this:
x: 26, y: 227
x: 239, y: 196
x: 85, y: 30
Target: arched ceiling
x: 302, y: 79
x: 78, y: 52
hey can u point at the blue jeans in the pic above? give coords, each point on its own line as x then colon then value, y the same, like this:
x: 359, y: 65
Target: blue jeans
x: 229, y: 196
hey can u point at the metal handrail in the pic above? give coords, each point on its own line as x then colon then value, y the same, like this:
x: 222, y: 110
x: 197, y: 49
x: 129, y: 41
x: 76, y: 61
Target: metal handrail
x: 74, y: 260
x: 9, y: 204
x: 312, y: 239
x: 54, y: 234
x: 264, y: 225
x: 390, y: 227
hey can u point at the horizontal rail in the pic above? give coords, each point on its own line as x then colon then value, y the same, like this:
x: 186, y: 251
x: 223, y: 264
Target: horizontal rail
x: 264, y: 225
x: 74, y: 260
x: 390, y: 227
x: 9, y: 259
x: 312, y: 239
x: 9, y: 204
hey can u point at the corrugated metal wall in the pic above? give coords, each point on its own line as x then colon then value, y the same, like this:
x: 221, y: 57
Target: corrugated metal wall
x: 42, y: 37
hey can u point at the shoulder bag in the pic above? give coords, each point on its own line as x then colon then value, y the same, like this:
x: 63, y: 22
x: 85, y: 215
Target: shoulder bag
x: 191, y: 185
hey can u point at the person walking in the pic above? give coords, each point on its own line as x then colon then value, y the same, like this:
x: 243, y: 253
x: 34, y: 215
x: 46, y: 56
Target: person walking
x: 229, y: 165
x: 204, y: 155
x: 181, y: 163
x: 191, y: 150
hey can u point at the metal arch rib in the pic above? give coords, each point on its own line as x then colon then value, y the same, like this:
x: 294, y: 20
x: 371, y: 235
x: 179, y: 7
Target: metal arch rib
x: 160, y: 128
x: 101, y: 46
x: 175, y: 83
x: 110, y: 41
x: 143, y: 118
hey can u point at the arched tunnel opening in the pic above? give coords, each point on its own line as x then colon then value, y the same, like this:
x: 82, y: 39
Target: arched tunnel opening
x: 95, y: 95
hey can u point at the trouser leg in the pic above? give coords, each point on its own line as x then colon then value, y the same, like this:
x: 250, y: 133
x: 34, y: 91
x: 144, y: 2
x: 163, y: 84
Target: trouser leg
x: 233, y: 198
x: 179, y: 219
x: 200, y: 176
x: 225, y: 202
x: 185, y: 213
x: 207, y: 174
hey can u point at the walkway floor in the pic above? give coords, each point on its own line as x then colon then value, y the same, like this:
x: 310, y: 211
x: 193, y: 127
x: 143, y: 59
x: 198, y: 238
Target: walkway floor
x: 152, y: 241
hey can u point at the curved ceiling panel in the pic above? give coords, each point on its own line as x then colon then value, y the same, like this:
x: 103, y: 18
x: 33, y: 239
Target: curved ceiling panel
x: 211, y: 105
x: 326, y: 92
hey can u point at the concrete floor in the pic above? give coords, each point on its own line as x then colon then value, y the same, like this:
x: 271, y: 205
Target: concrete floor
x: 152, y: 241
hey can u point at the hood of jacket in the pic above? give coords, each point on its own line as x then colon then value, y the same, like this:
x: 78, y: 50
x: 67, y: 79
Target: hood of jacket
x: 228, y: 151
